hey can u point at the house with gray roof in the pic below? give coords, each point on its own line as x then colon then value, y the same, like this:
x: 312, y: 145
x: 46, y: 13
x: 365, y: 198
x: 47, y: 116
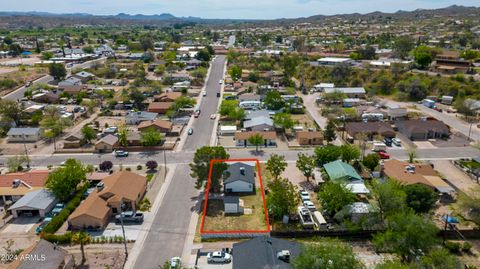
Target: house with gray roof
x: 27, y: 134
x: 71, y: 81
x: 265, y: 252
x: 36, y: 203
x: 135, y: 117
x: 259, y: 123
x: 84, y: 76
x: 239, y: 177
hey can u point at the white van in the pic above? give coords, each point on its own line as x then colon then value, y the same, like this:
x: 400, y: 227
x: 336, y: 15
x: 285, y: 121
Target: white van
x: 379, y: 146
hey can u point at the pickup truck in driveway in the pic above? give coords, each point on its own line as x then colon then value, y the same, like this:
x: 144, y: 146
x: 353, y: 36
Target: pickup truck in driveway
x: 130, y: 217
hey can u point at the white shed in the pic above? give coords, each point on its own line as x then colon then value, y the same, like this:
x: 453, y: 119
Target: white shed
x: 233, y: 205
x: 228, y: 130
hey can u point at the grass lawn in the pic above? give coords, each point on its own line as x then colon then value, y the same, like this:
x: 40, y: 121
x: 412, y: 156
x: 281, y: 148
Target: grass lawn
x: 215, y: 220
x: 470, y: 164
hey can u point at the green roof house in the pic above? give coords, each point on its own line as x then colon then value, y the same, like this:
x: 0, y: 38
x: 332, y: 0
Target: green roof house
x: 339, y: 171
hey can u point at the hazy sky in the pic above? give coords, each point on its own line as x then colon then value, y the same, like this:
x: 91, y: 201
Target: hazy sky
x: 244, y: 9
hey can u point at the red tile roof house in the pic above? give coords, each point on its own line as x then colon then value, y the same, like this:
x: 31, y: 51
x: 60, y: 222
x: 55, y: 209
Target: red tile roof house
x: 161, y: 126
x: 14, y: 186
x: 159, y: 107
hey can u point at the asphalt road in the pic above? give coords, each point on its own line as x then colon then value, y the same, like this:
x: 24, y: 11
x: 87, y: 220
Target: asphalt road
x: 18, y: 93
x: 168, y: 233
x: 203, y: 125
x: 185, y: 157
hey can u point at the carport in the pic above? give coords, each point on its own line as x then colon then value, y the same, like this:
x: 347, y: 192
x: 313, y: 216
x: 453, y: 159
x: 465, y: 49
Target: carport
x: 34, y: 203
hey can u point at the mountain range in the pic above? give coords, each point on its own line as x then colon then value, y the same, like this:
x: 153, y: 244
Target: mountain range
x: 33, y: 17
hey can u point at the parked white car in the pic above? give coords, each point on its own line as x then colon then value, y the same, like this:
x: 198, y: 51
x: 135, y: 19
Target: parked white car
x: 310, y: 205
x: 204, y: 93
x: 175, y: 262
x: 219, y: 257
x: 305, y: 196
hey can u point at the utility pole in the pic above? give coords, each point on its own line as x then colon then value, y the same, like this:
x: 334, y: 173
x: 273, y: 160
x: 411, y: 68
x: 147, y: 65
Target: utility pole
x: 164, y: 163
x: 445, y: 229
x: 122, y: 206
x: 26, y: 150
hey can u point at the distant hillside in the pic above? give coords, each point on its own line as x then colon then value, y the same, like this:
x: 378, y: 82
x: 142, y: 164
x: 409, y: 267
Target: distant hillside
x: 13, y: 20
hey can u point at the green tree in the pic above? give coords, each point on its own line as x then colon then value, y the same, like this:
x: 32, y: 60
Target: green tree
x: 276, y: 165
x: 16, y: 162
x: 327, y: 154
x: 440, y: 258
x: 392, y: 264
x: 257, y: 140
x: 407, y: 235
x: 88, y: 133
x: 327, y: 253
x: 424, y: 55
x: 470, y: 205
x: 402, y: 46
x: 200, y: 166
x: 274, y: 101
x: 235, y: 72
x: 47, y: 55
x: 290, y: 63
x: 203, y: 55
x: 11, y: 110
x: 371, y: 161
x: 420, y: 198
x: 88, y: 49
x: 350, y: 152
x: 82, y: 239
x: 282, y: 198
x: 412, y: 154
x: 151, y: 137
x: 389, y: 197
x: 137, y: 97
x: 334, y: 197
x: 306, y: 164
x: 63, y: 181
x: 57, y: 71
x: 283, y: 120
x: 52, y: 122
x: 329, y: 132
x: 123, y: 136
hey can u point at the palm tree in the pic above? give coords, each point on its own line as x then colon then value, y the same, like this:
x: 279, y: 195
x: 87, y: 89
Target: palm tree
x: 83, y: 239
x: 412, y: 154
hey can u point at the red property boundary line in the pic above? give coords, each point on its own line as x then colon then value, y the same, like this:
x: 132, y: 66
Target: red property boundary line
x: 202, y: 231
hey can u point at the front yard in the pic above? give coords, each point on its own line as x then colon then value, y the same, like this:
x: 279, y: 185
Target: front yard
x: 252, y: 219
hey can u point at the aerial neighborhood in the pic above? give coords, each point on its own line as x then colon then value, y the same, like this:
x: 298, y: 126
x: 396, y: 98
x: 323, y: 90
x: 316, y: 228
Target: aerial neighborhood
x: 154, y: 141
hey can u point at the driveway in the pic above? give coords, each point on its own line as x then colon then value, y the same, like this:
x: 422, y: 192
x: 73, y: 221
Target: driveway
x: 455, y: 176
x: 202, y: 263
x: 21, y: 225
x: 314, y: 110
x: 131, y: 231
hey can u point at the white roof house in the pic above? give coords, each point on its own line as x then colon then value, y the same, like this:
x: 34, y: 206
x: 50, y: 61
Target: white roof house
x: 333, y: 60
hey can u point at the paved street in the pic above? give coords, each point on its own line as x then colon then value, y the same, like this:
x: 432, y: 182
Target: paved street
x: 18, y: 93
x: 168, y: 233
x: 314, y: 110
